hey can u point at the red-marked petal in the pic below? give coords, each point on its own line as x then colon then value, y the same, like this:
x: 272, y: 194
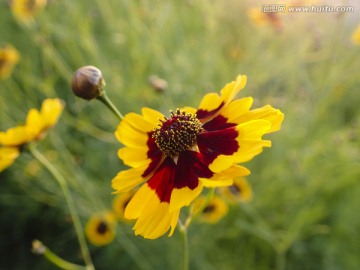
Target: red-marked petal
x: 219, y: 122
x: 185, y: 174
x: 154, y: 153
x: 190, y: 166
x: 163, y: 180
x: 220, y: 142
x: 204, y: 115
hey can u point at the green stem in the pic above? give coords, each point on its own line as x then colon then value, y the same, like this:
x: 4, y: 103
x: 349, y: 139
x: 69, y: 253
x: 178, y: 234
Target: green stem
x: 184, y: 233
x: 280, y: 260
x: 40, y: 249
x: 183, y: 228
x: 71, y: 204
x: 105, y: 99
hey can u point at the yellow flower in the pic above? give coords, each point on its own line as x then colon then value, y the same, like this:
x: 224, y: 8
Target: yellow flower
x: 119, y: 204
x: 35, y: 128
x: 239, y: 191
x: 179, y: 155
x: 355, y: 37
x: 25, y: 10
x: 100, y: 229
x: 257, y: 16
x: 9, y: 57
x: 260, y: 18
x: 214, y: 210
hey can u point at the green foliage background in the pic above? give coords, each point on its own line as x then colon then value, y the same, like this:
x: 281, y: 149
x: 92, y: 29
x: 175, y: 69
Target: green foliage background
x: 305, y: 212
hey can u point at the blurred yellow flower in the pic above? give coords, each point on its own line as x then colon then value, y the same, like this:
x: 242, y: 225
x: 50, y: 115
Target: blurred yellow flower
x: 119, y: 204
x: 35, y: 128
x: 260, y: 18
x: 9, y: 57
x: 25, y: 10
x: 239, y: 191
x: 214, y: 210
x: 355, y: 37
x: 100, y: 229
x: 37, y: 123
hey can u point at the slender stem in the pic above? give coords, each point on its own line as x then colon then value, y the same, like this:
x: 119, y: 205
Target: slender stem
x: 40, y: 249
x: 70, y: 202
x: 280, y: 260
x: 184, y: 233
x: 183, y: 228
x: 105, y: 99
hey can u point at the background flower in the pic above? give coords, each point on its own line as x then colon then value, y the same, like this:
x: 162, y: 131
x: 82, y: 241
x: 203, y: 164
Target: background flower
x: 213, y: 211
x: 119, y: 204
x: 239, y: 191
x: 100, y: 229
x: 9, y: 57
x: 35, y: 128
x: 355, y: 37
x: 25, y: 10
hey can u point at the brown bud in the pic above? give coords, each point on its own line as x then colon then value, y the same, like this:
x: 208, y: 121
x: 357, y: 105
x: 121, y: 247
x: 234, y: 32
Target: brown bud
x: 87, y: 82
x: 159, y: 85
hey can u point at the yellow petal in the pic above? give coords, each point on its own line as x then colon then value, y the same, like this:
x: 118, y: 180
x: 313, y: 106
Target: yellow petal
x: 156, y: 222
x: 221, y: 163
x: 128, y: 179
x: 152, y: 116
x: 225, y: 178
x: 236, y: 108
x: 221, y: 183
x: 137, y: 204
x: 16, y: 136
x: 153, y: 217
x: 184, y: 196
x: 249, y: 149
x: 8, y: 156
x: 174, y: 221
x: 134, y: 157
x: 252, y: 130
x: 268, y: 113
x: 188, y: 109
x: 139, y: 122
x: 230, y: 90
x: 210, y: 102
x: 34, y: 121
x: 130, y: 136
x: 51, y: 110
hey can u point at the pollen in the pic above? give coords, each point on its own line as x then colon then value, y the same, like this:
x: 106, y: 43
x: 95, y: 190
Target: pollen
x: 177, y: 133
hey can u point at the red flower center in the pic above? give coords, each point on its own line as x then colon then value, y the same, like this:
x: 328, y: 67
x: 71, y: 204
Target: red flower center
x: 178, y: 133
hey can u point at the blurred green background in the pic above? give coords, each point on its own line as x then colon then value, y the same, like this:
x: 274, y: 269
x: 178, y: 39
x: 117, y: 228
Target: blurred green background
x: 306, y: 205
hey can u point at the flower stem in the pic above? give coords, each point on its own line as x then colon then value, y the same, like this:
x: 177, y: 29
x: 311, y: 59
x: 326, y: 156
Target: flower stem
x: 184, y: 233
x: 105, y: 99
x: 183, y: 228
x: 280, y: 260
x: 39, y: 249
x: 70, y: 202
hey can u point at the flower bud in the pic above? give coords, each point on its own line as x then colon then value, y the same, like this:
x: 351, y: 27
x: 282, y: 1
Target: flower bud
x: 159, y: 85
x: 88, y: 82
